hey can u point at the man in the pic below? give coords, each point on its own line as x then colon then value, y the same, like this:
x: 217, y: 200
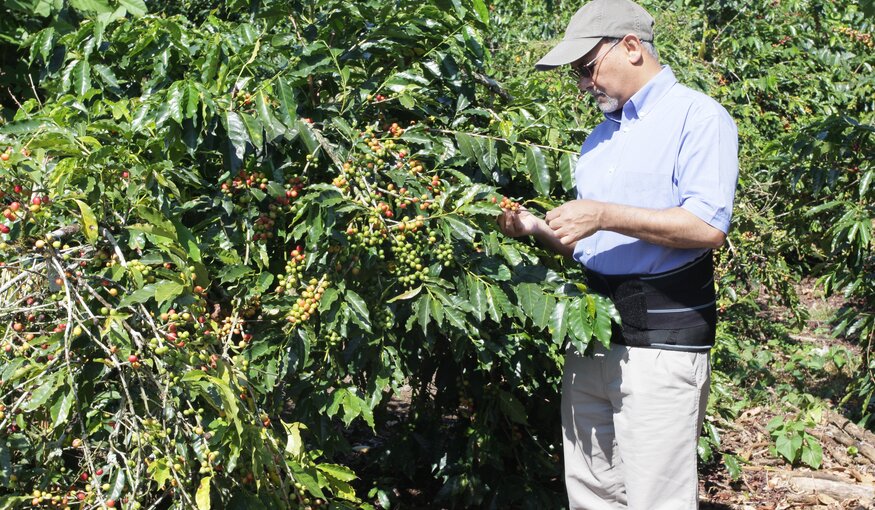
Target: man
x: 655, y: 187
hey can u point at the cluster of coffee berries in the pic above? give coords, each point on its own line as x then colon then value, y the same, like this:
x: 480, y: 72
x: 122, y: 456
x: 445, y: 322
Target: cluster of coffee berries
x: 308, y: 302
x: 858, y: 36
x: 396, y: 130
x: 12, y: 213
x: 243, y: 100
x: 409, y: 263
x: 294, y: 186
x: 466, y: 401
x: 179, y: 328
x: 235, y: 329
x: 251, y: 307
x: 206, y: 360
x: 508, y: 204
x: 367, y: 236
x: 782, y: 41
x: 285, y: 202
x: 378, y: 150
x: 138, y: 269
x: 404, y: 198
x: 294, y: 270
x: 56, y: 497
x: 340, y: 182
x: 173, y: 335
x: 384, y: 209
x: 263, y: 227
x: 412, y: 224
x: 243, y: 181
x: 435, y: 185
x: 414, y: 167
x: 376, y: 146
x: 22, y: 201
x: 6, y: 154
x: 444, y: 253
x: 333, y: 340
x: 383, y: 318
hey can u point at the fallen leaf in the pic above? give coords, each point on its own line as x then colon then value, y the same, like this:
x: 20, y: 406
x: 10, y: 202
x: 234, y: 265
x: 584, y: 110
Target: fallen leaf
x: 826, y: 500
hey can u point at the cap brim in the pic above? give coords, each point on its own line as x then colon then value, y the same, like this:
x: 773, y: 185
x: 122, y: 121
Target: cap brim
x: 566, y: 52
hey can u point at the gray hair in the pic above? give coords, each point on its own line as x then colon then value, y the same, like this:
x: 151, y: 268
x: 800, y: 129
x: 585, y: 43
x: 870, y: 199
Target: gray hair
x: 647, y: 45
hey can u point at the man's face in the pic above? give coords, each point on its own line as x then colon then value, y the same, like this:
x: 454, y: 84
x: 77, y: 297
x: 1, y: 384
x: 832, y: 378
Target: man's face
x: 594, y: 75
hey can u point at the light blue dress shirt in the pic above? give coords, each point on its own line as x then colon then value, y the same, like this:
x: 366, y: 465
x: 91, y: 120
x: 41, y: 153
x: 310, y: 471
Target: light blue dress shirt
x: 669, y: 146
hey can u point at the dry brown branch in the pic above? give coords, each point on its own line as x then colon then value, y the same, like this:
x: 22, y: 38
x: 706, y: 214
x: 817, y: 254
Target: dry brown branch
x: 866, y: 451
x: 807, y: 339
x: 841, y: 457
x: 64, y: 231
x: 840, y: 491
x: 850, y: 427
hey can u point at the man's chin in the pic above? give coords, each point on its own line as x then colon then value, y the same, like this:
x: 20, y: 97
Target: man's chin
x: 607, y: 104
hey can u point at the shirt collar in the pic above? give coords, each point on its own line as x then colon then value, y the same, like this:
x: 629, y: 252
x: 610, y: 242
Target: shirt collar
x: 643, y: 101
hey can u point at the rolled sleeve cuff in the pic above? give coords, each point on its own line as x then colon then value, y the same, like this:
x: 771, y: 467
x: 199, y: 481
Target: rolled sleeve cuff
x: 715, y: 216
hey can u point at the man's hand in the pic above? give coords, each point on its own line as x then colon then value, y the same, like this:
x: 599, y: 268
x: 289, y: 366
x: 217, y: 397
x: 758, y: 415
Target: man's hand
x: 518, y: 223
x: 575, y: 220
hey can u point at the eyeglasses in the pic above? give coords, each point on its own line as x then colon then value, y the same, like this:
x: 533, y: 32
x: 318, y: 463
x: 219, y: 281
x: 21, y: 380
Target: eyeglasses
x: 586, y: 71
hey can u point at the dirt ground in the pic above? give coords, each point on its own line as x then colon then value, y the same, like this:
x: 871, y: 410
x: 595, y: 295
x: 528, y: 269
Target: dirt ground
x: 846, y: 480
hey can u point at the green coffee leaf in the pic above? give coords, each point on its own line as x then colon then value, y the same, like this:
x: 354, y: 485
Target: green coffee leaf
x: 167, y: 290
x: 202, y: 497
x: 536, y: 164
x: 81, y: 76
x: 89, y: 221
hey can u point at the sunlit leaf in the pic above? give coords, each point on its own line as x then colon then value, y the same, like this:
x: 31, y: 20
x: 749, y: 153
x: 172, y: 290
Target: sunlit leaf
x: 202, y: 496
x: 89, y: 221
x: 538, y: 171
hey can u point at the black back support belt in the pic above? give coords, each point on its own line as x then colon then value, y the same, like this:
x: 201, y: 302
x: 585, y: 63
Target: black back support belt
x: 674, y: 309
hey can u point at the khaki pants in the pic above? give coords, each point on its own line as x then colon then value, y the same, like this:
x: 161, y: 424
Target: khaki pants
x: 631, y: 419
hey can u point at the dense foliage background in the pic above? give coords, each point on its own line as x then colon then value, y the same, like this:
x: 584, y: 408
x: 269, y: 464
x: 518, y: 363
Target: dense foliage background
x: 250, y: 260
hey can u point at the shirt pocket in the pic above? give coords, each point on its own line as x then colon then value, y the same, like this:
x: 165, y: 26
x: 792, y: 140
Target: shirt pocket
x: 647, y: 189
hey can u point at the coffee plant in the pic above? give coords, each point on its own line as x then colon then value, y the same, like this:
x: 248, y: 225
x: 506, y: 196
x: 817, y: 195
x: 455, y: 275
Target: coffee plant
x: 229, y: 246
x: 813, y: 217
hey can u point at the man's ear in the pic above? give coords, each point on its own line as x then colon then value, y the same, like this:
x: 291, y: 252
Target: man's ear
x: 634, y: 50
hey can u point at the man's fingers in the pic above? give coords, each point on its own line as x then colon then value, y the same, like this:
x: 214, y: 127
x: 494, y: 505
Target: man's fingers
x: 567, y: 236
x: 501, y: 219
x: 509, y: 223
x: 555, y: 224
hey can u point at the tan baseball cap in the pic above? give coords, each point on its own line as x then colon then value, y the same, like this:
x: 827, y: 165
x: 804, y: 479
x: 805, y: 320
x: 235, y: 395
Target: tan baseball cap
x: 593, y: 22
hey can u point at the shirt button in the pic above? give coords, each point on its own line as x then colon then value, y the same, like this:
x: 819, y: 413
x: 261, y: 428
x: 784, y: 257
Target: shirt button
x: 611, y: 170
x: 626, y: 129
x: 588, y: 251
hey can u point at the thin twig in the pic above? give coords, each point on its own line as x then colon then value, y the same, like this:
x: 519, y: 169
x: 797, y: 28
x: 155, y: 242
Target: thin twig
x: 33, y: 88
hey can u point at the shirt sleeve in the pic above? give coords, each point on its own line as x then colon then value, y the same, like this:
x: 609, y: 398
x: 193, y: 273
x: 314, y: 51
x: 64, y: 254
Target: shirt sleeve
x: 707, y: 169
